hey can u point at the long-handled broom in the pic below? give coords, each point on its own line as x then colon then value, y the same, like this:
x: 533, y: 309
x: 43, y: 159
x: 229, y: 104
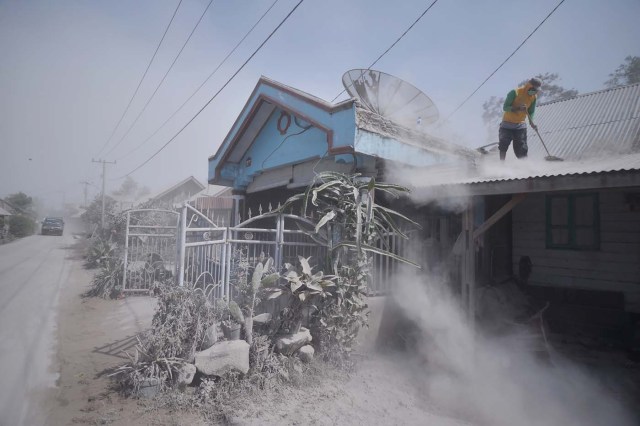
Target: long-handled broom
x: 549, y: 157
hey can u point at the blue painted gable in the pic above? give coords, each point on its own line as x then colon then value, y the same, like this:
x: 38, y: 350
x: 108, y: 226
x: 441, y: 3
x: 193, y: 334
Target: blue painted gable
x: 280, y: 128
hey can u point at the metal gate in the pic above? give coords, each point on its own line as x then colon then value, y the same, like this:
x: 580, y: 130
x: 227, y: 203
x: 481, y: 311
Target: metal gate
x: 150, y: 248
x: 211, y: 254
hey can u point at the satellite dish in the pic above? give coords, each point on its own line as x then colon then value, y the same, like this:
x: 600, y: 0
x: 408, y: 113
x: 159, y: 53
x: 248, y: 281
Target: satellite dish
x: 391, y: 97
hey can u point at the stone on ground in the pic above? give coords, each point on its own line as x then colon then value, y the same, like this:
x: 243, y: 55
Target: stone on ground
x: 223, y: 357
x: 262, y: 319
x: 306, y: 353
x: 289, y: 343
x: 184, y: 375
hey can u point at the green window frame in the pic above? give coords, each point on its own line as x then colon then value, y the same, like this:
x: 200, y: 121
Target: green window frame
x: 573, y: 221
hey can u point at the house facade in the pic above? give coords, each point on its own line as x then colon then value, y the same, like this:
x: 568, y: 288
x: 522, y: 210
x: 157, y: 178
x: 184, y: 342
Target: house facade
x: 568, y: 232
x: 284, y: 136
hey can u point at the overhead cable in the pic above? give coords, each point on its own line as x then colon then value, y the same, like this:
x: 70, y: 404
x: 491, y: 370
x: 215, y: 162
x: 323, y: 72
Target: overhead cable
x: 218, y: 92
x: 141, y: 79
x: 393, y: 44
x: 163, y: 78
x: 201, y: 84
x: 504, y: 62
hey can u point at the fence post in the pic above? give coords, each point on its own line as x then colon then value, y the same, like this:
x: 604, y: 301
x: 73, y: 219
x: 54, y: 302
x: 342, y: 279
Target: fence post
x: 279, y: 241
x: 126, y: 253
x: 181, y: 247
x: 228, y: 248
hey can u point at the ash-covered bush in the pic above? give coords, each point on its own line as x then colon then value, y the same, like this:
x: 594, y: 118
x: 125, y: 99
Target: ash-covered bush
x: 100, y: 251
x: 179, y: 324
x: 21, y: 226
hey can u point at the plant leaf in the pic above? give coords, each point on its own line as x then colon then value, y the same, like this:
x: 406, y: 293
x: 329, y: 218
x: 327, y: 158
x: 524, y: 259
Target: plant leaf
x: 295, y: 285
x: 314, y: 286
x: 256, y: 278
x: 326, y: 218
x: 376, y: 250
x: 270, y: 279
x: 236, y: 312
x: 274, y: 294
x: 306, y: 269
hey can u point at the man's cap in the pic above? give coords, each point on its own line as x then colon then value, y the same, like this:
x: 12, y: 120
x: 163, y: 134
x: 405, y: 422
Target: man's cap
x: 535, y: 81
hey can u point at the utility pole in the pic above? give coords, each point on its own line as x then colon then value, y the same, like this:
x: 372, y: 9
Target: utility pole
x: 86, y: 184
x: 104, y: 179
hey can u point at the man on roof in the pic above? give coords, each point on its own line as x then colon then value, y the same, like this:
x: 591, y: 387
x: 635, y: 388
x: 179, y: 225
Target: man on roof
x: 519, y: 104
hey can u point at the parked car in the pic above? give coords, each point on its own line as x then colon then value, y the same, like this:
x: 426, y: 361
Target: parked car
x: 52, y: 226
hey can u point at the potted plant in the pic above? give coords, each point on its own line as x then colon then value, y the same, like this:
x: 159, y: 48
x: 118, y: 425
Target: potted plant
x: 232, y: 325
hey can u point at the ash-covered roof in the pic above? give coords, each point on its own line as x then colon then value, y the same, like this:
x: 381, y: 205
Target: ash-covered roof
x: 372, y: 122
x: 514, y: 176
x: 591, y: 125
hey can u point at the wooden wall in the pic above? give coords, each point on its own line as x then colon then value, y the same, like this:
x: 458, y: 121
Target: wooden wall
x: 614, y: 267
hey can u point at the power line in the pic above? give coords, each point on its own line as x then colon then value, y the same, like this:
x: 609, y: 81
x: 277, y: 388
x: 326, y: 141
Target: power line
x: 218, y: 92
x: 504, y: 62
x: 141, y: 79
x: 163, y: 79
x: 201, y: 84
x: 393, y: 44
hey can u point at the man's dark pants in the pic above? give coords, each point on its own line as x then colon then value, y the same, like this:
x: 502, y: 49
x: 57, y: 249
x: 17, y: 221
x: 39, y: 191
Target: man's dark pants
x: 519, y: 138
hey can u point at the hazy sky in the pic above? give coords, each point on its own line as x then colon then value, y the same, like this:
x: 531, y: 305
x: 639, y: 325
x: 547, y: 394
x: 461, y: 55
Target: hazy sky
x: 68, y: 69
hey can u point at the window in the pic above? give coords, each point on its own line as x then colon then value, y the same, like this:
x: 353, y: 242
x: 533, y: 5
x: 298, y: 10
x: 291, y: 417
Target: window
x: 573, y: 222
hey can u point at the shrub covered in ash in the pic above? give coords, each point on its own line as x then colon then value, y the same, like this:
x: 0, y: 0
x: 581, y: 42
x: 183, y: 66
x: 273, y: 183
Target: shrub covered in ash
x: 21, y: 226
x: 100, y: 251
x: 179, y: 324
x: 107, y: 282
x: 354, y: 227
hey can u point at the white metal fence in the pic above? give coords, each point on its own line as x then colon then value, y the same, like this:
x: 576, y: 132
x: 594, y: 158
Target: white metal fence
x: 161, y: 243
x: 150, y: 248
x: 210, y: 253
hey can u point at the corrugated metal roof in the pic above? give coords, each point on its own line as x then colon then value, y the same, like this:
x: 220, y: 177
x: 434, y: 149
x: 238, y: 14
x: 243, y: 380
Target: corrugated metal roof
x: 3, y: 212
x: 494, y: 170
x: 595, y: 133
x: 491, y: 169
x: 589, y: 125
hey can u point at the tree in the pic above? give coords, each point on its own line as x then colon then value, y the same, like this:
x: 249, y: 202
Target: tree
x: 93, y: 214
x: 20, y: 200
x: 626, y: 73
x: 144, y: 191
x: 128, y: 187
x: 21, y: 226
x: 549, y: 92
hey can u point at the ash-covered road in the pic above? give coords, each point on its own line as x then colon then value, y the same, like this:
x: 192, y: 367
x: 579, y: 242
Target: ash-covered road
x: 32, y: 272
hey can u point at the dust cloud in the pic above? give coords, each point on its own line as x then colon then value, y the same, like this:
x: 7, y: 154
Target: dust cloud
x: 498, y: 381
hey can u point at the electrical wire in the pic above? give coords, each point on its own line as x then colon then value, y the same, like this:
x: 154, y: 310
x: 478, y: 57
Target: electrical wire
x: 163, y: 78
x: 218, y: 92
x: 201, y: 84
x: 141, y: 79
x: 304, y: 129
x: 504, y: 62
x: 392, y: 45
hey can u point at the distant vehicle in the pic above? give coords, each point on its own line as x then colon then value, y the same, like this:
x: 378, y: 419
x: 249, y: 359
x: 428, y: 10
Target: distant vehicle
x: 52, y: 226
